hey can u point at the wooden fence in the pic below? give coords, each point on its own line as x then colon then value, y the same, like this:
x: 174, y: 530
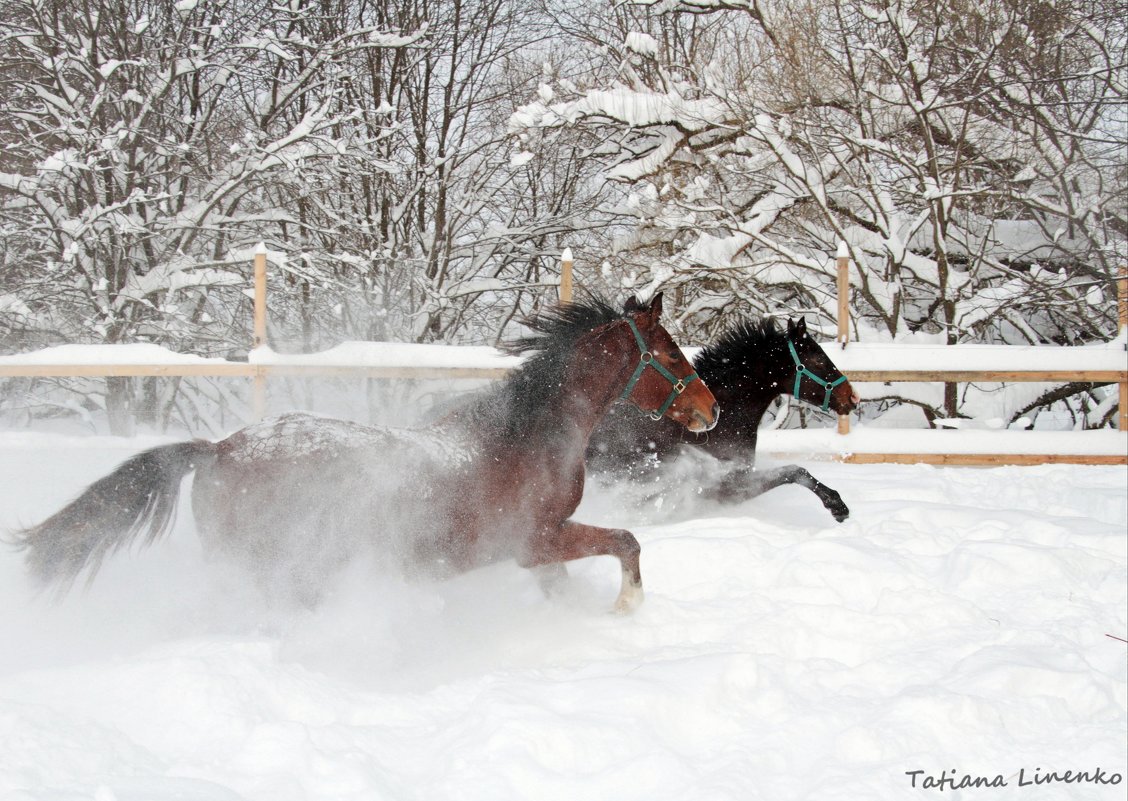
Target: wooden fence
x: 260, y: 371
x: 923, y: 373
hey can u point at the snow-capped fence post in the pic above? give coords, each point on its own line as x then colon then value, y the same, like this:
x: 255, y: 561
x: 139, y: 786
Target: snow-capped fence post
x: 566, y: 276
x: 1122, y: 302
x: 843, y: 295
x: 843, y: 315
x: 258, y: 396
x: 260, y: 295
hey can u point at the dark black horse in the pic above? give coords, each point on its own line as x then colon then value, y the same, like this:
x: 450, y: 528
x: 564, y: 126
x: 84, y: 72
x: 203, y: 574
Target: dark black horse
x: 747, y: 369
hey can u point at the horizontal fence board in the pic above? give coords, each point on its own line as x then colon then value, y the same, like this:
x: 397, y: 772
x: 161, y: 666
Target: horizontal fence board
x: 395, y: 361
x: 207, y: 369
x: 976, y: 447
x: 878, y: 356
x: 381, y: 371
x: 950, y: 459
x: 984, y: 459
x: 987, y: 376
x: 243, y: 370
x: 862, y: 363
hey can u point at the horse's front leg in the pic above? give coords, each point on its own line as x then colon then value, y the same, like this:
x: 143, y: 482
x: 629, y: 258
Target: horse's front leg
x: 794, y: 474
x: 745, y: 483
x: 576, y: 541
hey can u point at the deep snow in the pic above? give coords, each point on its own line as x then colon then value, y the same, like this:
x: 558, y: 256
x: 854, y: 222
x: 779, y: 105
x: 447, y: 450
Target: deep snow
x: 958, y: 620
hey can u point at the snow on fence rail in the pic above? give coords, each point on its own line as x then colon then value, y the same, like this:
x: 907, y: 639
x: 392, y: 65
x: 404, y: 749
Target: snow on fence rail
x: 862, y: 362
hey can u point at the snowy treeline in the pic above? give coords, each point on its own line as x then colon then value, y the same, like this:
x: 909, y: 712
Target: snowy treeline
x: 420, y: 165
x: 148, y: 146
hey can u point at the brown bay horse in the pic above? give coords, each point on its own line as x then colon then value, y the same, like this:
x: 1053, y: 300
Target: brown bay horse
x: 295, y: 497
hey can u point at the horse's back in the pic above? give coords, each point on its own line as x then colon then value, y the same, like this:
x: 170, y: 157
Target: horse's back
x: 296, y: 496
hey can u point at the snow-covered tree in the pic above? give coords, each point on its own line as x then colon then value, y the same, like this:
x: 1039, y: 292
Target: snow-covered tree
x: 140, y: 143
x: 972, y: 155
x: 439, y: 226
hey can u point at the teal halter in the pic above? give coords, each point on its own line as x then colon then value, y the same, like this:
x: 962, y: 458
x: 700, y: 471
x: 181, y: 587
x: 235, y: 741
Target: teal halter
x: 646, y: 359
x: 801, y: 370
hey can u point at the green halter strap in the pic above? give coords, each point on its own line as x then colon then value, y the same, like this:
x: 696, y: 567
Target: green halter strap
x: 801, y: 370
x: 646, y: 359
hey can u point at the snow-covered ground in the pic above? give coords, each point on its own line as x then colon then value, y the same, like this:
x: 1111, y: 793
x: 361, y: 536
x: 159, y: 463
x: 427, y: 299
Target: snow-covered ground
x: 958, y: 621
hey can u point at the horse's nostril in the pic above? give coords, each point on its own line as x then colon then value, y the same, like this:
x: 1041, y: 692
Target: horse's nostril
x: 707, y: 423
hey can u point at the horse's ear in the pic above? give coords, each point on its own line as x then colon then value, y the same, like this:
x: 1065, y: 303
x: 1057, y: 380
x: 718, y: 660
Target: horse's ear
x: 653, y: 311
x: 796, y: 328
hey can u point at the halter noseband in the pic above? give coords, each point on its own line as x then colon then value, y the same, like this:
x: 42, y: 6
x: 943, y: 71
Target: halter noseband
x: 801, y: 370
x: 645, y: 359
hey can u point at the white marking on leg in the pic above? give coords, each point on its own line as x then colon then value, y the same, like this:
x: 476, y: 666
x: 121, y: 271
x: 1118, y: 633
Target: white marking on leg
x: 630, y: 595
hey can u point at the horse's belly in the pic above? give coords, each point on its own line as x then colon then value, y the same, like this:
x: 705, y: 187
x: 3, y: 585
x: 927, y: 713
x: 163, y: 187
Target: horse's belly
x: 297, y: 498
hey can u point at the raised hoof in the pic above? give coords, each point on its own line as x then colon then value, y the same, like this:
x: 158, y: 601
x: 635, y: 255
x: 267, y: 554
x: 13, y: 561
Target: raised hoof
x: 834, y: 505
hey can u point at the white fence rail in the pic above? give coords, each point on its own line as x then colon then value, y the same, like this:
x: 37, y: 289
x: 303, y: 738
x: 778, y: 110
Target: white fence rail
x: 862, y: 362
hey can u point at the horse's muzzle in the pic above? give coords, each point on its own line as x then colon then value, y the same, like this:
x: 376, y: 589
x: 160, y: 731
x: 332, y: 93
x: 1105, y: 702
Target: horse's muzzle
x: 844, y: 399
x: 699, y: 423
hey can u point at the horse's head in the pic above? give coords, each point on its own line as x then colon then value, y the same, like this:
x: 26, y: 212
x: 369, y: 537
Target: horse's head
x: 664, y: 383
x: 817, y: 380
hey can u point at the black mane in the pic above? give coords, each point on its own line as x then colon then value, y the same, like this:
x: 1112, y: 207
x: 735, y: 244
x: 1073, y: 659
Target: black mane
x: 517, y: 402
x: 730, y: 351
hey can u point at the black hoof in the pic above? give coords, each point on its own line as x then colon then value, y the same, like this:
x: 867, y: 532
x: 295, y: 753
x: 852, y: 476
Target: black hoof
x: 836, y: 507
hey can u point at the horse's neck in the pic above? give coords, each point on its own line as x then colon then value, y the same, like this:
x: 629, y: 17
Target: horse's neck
x: 744, y: 390
x: 587, y: 394
x: 568, y: 415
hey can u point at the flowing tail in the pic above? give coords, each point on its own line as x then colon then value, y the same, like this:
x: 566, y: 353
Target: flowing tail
x: 138, y: 497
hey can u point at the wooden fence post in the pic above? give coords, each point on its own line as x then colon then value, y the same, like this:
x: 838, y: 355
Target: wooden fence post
x: 258, y: 395
x: 843, y: 315
x: 566, y: 276
x: 260, y: 295
x: 1122, y: 302
x: 843, y: 294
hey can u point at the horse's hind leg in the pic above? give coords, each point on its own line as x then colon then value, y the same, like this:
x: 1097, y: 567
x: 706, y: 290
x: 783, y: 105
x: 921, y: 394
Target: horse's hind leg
x: 576, y: 541
x: 551, y: 578
x: 743, y: 484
